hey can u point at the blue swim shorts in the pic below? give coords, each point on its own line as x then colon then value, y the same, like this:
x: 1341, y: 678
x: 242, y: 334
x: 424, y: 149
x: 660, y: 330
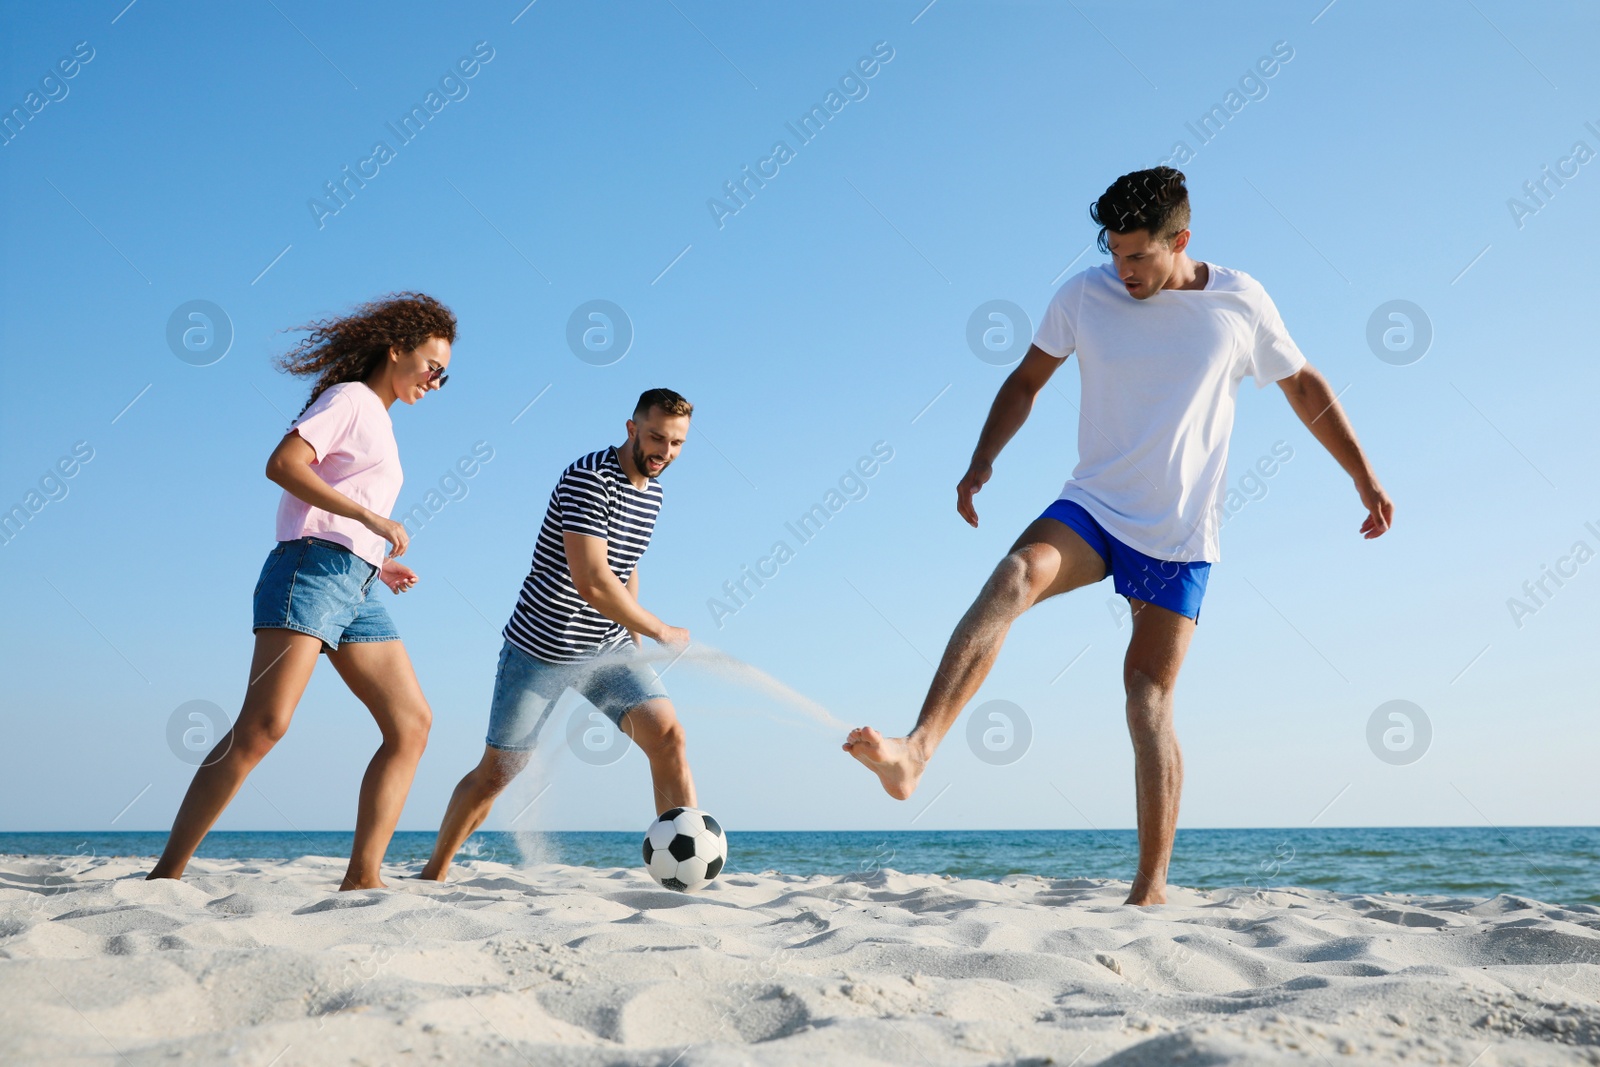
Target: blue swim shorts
x: 526, y: 690
x: 1165, y: 583
x: 323, y: 589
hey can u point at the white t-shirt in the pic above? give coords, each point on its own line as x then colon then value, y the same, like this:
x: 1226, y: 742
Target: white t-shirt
x: 350, y: 431
x: 1160, y: 378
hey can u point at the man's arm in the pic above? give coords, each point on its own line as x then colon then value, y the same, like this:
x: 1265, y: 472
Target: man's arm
x: 1313, y: 400
x: 591, y: 574
x: 1010, y: 410
x: 633, y: 591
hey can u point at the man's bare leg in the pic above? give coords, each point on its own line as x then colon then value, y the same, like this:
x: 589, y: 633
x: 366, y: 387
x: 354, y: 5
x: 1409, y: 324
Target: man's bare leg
x: 1048, y: 558
x: 1149, y: 673
x: 655, y: 728
x: 470, y: 805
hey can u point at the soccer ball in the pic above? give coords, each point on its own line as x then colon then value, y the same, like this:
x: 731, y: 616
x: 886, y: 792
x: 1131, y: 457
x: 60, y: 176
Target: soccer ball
x: 684, y: 849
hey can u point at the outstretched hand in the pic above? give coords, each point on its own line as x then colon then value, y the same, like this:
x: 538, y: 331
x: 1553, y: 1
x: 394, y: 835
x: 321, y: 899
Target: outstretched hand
x: 1380, y: 511
x: 968, y: 487
x: 397, y: 576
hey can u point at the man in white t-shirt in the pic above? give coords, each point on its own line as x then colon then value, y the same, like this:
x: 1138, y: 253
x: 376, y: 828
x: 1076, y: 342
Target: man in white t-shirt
x: 1163, y: 342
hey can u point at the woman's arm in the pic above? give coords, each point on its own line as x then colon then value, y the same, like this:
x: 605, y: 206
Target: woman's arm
x: 290, y: 467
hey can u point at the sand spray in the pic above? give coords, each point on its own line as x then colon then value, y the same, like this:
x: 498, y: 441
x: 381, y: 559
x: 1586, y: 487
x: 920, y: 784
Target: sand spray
x: 523, y: 795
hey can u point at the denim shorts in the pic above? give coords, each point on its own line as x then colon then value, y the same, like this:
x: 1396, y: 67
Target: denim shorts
x: 1165, y: 583
x: 322, y: 589
x: 526, y: 689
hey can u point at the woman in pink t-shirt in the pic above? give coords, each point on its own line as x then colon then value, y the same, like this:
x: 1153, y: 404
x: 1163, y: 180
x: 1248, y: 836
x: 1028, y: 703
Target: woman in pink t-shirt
x: 340, y: 473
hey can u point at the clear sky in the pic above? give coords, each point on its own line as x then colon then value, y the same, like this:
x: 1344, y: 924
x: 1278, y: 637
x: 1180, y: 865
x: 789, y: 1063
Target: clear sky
x: 1385, y: 158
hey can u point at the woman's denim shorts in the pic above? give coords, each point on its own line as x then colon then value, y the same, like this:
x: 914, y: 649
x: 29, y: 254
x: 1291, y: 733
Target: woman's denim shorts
x: 322, y: 589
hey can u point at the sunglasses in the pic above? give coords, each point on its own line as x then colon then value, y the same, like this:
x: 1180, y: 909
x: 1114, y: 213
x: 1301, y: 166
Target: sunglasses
x: 436, y: 374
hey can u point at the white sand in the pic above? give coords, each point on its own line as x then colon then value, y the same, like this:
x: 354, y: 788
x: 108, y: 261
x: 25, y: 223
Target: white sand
x: 263, y: 963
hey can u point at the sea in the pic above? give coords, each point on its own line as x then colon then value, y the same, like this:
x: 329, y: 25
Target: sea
x: 1554, y: 864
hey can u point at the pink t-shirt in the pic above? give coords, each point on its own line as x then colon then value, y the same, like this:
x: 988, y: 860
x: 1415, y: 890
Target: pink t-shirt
x: 349, y: 429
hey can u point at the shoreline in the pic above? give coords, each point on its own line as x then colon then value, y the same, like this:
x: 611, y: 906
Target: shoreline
x: 1553, y: 864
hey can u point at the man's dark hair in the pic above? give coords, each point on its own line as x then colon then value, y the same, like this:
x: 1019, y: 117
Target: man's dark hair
x: 669, y: 402
x: 1156, y: 200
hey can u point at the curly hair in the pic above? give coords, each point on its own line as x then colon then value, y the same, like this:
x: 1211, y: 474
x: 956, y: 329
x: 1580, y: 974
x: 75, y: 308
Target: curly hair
x: 350, y: 348
x: 1156, y: 200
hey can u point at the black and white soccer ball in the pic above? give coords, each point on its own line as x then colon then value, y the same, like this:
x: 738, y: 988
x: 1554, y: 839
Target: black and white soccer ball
x: 685, y: 849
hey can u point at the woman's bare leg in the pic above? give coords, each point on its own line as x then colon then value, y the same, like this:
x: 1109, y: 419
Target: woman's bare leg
x: 279, y: 671
x: 379, y: 673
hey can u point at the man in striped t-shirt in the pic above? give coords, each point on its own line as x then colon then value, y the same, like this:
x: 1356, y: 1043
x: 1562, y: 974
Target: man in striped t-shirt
x: 578, y: 619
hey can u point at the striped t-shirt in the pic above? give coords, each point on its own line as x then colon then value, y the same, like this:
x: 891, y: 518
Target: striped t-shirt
x: 593, y: 496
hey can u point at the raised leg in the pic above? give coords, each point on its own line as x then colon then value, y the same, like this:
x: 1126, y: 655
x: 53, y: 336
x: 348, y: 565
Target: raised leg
x: 279, y: 671
x: 470, y: 805
x: 1049, y: 558
x: 379, y: 673
x: 1149, y: 674
x: 655, y: 728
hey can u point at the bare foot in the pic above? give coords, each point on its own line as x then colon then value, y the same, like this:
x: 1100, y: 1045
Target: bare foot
x: 893, y: 759
x: 1145, y: 892
x: 347, y: 885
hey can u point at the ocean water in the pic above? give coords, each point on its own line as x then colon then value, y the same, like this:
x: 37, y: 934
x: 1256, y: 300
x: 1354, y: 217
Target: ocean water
x: 1554, y: 864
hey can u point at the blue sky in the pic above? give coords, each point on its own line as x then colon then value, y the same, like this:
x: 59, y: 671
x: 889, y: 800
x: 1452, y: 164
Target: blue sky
x: 1377, y: 163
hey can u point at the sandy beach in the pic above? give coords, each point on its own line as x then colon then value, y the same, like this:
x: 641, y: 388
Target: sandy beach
x: 263, y: 963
